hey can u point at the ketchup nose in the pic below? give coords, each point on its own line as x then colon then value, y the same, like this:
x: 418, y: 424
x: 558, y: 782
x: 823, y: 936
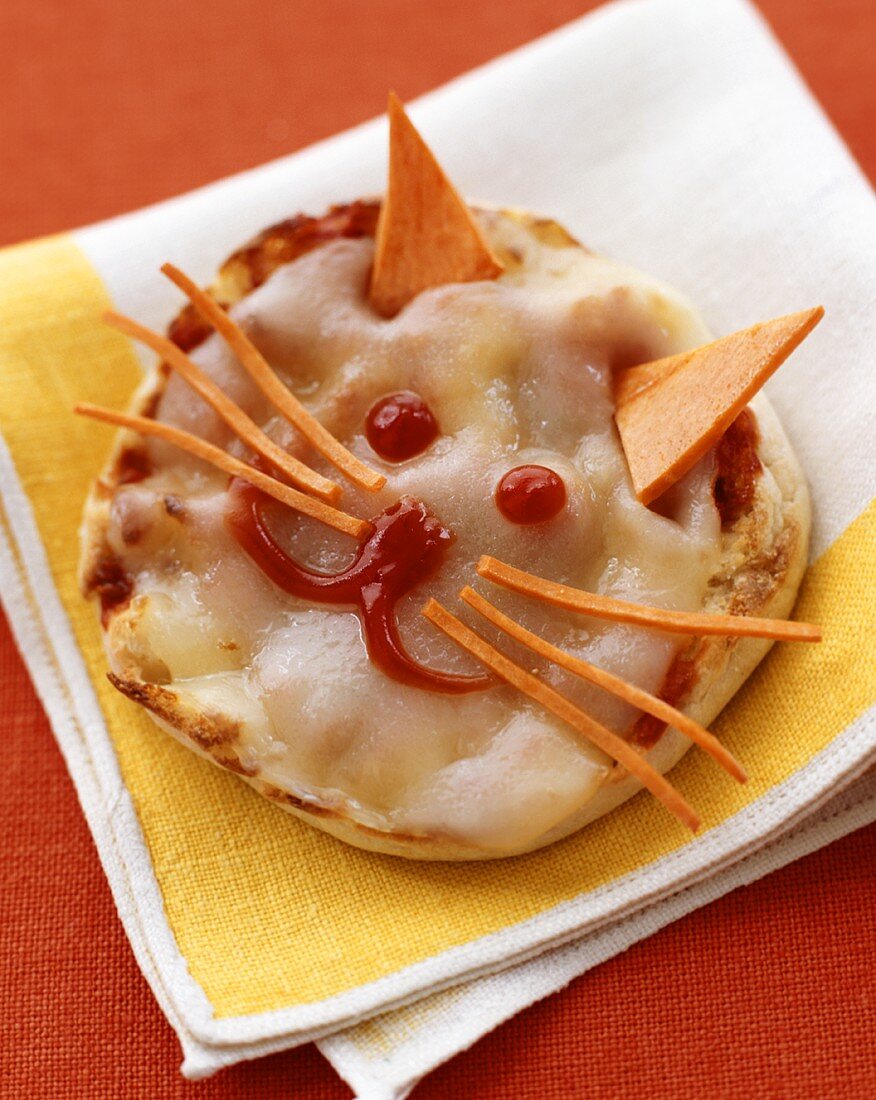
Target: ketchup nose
x: 530, y: 494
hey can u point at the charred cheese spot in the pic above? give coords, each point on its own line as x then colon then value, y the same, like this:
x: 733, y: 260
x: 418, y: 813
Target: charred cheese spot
x: 174, y: 506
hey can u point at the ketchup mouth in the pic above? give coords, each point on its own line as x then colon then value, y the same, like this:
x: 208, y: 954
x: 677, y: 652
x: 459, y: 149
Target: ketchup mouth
x: 407, y: 545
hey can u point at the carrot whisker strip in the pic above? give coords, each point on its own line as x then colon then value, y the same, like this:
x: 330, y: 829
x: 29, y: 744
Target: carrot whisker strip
x: 243, y: 426
x: 609, y: 682
x: 267, y: 381
x: 558, y: 705
x: 301, y: 502
x: 677, y: 622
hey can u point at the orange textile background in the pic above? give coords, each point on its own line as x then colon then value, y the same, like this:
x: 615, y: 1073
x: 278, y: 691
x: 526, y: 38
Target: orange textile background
x: 111, y: 104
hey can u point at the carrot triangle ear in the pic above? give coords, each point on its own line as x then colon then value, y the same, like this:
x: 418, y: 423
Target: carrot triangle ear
x: 426, y: 235
x: 671, y: 411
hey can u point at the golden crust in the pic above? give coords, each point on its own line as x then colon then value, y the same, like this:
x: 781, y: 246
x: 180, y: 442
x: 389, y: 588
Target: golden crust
x: 763, y: 558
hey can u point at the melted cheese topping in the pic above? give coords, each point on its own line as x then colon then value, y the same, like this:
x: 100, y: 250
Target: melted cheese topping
x: 516, y: 371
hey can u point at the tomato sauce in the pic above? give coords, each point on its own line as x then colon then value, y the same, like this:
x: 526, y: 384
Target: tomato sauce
x: 406, y: 546
x: 400, y: 426
x: 679, y: 682
x: 113, y: 587
x: 737, y: 467
x: 530, y: 494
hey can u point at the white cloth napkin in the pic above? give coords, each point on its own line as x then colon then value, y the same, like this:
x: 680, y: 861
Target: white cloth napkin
x: 674, y: 135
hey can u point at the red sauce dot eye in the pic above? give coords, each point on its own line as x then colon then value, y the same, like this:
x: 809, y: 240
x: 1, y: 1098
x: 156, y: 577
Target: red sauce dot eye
x: 400, y: 426
x: 530, y: 494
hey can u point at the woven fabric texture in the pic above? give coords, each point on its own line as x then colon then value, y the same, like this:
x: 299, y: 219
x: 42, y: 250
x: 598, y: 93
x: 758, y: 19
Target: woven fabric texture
x: 758, y: 997
x: 767, y: 992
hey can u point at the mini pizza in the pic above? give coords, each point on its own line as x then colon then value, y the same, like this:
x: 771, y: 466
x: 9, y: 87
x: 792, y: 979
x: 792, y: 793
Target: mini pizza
x: 444, y: 533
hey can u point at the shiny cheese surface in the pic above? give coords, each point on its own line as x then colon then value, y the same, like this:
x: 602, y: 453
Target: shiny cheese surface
x: 516, y: 371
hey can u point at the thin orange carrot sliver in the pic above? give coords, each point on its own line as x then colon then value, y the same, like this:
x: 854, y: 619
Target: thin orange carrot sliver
x: 245, y: 428
x: 267, y: 381
x: 301, y: 502
x: 609, y: 682
x: 606, y: 607
x: 536, y: 689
